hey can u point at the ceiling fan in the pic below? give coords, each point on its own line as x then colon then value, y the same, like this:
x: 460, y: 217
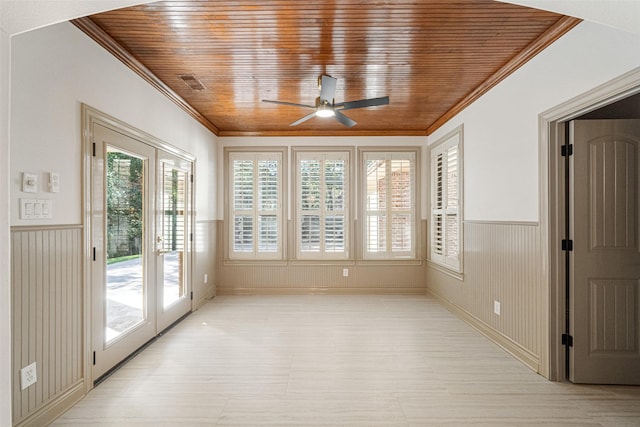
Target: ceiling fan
x: 326, y: 107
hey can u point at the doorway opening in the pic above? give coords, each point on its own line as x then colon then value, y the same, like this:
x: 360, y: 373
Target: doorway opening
x: 139, y: 216
x: 617, y: 99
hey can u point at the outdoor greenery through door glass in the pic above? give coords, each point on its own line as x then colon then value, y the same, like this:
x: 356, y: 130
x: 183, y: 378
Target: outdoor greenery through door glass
x: 124, y: 226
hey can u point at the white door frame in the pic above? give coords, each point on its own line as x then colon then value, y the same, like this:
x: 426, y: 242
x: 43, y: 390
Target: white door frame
x: 90, y: 117
x: 551, y: 124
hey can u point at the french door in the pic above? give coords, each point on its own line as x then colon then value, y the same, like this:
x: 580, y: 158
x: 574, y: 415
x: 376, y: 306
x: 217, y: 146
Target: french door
x: 172, y: 238
x: 140, y: 203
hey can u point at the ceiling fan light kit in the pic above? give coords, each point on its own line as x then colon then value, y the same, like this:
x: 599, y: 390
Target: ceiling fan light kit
x: 325, y: 110
x: 326, y: 106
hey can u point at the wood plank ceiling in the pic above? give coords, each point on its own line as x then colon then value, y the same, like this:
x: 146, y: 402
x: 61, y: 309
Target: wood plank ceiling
x: 431, y: 57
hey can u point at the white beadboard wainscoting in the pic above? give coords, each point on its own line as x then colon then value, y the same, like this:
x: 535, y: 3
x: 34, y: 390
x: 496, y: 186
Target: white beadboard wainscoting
x: 47, y: 328
x: 305, y: 277
x: 503, y: 263
x: 205, y: 250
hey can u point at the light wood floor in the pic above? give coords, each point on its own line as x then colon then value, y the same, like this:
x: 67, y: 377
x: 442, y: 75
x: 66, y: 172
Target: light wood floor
x: 338, y: 360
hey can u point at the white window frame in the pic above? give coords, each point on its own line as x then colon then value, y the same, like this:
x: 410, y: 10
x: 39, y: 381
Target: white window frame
x: 322, y: 155
x: 389, y: 210
x: 255, y: 156
x: 448, y: 254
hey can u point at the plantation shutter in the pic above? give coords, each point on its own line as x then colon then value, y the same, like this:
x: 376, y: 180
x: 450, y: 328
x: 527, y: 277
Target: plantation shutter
x: 389, y: 204
x: 321, y: 203
x: 334, y: 219
x: 243, y: 186
x: 310, y: 184
x: 438, y: 207
x: 452, y: 221
x: 268, y: 206
x: 445, y: 204
x: 255, y: 209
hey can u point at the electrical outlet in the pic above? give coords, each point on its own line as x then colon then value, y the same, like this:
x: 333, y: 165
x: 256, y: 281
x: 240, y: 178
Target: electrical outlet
x: 28, y: 376
x: 496, y: 307
x: 206, y: 278
x: 345, y: 272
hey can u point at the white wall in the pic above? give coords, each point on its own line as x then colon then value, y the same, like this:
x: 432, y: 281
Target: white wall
x: 5, y: 289
x: 621, y: 14
x: 501, y: 128
x: 54, y: 70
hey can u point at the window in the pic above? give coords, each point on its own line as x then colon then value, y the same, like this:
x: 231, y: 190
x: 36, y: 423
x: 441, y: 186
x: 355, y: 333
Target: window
x: 390, y: 204
x: 255, y: 205
x: 446, y: 197
x: 322, y: 204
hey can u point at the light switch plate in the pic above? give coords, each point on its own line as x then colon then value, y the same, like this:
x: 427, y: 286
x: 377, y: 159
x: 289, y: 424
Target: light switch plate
x: 29, y: 182
x: 36, y: 209
x: 54, y: 182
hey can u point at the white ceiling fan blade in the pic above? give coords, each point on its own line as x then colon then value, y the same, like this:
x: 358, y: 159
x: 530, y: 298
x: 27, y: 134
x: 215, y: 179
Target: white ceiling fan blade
x: 328, y: 88
x: 363, y: 103
x: 293, y: 104
x: 344, y: 119
x: 304, y: 119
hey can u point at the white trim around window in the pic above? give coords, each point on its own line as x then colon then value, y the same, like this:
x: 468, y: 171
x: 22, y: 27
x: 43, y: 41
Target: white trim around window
x: 322, y: 199
x: 389, y: 203
x: 446, y: 240
x: 255, y: 204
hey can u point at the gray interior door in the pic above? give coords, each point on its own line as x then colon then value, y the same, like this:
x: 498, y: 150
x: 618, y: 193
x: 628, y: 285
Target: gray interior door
x: 605, y: 262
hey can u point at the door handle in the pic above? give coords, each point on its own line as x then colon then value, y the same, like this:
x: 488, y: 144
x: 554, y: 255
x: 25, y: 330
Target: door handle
x: 159, y: 241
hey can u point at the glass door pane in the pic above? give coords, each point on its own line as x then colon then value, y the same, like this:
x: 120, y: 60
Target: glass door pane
x: 123, y: 188
x: 125, y: 299
x: 173, y: 245
x: 173, y: 240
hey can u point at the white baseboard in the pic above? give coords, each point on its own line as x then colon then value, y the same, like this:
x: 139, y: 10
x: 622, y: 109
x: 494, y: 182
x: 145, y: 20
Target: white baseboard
x: 56, y: 407
x: 516, y: 350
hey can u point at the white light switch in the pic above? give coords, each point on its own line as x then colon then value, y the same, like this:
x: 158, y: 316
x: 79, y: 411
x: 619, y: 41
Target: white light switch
x: 29, y: 182
x: 36, y: 209
x: 54, y: 182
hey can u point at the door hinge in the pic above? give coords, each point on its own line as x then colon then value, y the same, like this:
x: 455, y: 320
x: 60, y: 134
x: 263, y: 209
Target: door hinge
x: 192, y: 178
x: 191, y: 295
x: 94, y: 358
x: 94, y: 254
x: 567, y: 340
x: 567, y: 245
x: 94, y: 149
x: 566, y: 150
x: 191, y: 237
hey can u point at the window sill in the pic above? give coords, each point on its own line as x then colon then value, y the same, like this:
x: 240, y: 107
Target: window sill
x: 389, y: 261
x: 445, y: 270
x: 276, y: 262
